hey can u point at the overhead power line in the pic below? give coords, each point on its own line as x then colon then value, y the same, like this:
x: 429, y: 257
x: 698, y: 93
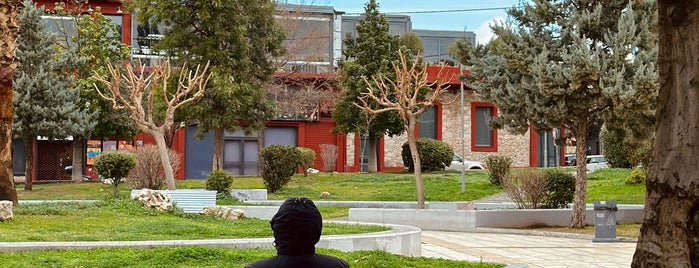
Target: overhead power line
x: 441, y: 11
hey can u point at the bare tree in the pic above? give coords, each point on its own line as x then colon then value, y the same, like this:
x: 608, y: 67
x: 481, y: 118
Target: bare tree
x: 136, y: 91
x: 406, y: 92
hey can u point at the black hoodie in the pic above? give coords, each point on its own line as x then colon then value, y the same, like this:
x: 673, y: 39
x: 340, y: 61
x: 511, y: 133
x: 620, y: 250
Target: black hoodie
x: 297, y: 227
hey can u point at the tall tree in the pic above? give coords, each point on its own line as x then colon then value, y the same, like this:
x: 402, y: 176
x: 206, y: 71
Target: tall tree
x: 46, y: 95
x: 369, y: 54
x: 412, y: 95
x: 568, y: 64
x: 8, y: 40
x: 136, y: 91
x: 238, y: 39
x: 670, y: 232
x: 92, y: 35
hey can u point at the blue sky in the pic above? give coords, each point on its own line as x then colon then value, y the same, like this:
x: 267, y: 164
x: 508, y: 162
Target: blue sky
x: 476, y: 20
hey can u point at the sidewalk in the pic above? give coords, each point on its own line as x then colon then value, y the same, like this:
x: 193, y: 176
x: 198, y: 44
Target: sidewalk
x: 522, y: 250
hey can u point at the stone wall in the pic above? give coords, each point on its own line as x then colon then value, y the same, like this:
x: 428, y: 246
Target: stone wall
x: 514, y: 146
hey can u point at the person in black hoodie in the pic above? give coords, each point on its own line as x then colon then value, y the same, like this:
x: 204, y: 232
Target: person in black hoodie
x: 297, y: 226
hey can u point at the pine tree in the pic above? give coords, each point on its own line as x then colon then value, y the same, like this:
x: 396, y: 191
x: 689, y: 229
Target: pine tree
x: 568, y: 64
x: 238, y: 39
x: 46, y: 95
x: 370, y: 54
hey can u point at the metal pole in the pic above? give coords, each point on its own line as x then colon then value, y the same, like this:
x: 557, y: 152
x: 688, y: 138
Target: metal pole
x: 463, y: 150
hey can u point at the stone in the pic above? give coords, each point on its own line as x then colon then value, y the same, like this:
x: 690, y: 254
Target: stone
x: 154, y: 199
x: 324, y: 194
x: 223, y: 212
x: 5, y: 210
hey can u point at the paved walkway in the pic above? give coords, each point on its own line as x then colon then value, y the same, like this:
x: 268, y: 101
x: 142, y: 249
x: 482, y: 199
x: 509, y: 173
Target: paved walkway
x: 521, y: 250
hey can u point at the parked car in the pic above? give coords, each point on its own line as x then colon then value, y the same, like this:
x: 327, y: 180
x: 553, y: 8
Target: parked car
x: 457, y: 162
x: 595, y: 162
x: 570, y: 160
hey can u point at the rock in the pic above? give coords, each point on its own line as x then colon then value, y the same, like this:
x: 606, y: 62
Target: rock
x: 223, y: 212
x: 154, y: 199
x: 324, y: 194
x: 5, y: 210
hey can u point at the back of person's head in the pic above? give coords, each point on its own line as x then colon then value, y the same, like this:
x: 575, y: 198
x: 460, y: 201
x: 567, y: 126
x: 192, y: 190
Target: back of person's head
x: 297, y: 227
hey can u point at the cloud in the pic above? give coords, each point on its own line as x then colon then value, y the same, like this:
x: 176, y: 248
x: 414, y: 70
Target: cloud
x: 483, y: 33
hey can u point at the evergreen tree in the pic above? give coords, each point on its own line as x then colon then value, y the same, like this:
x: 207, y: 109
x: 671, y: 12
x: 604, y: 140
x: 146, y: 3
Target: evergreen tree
x: 46, y: 95
x: 368, y: 55
x: 96, y: 43
x: 568, y: 64
x: 238, y: 39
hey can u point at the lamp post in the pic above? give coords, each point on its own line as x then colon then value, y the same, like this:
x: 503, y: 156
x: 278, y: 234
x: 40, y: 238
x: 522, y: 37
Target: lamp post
x: 463, y: 150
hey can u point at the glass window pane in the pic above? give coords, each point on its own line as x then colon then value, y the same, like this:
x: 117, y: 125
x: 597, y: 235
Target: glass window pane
x: 483, y: 132
x: 427, y: 127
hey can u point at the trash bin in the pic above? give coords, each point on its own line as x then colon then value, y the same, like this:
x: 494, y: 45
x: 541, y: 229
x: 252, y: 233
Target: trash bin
x: 605, y: 221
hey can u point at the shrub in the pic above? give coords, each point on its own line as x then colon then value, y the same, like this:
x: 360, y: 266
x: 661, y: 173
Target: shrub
x: 305, y: 158
x: 148, y: 172
x: 278, y: 164
x: 560, y: 189
x: 329, y: 154
x: 434, y: 155
x: 527, y: 187
x: 220, y: 181
x: 498, y: 167
x: 619, y: 154
x: 114, y: 165
x: 637, y: 176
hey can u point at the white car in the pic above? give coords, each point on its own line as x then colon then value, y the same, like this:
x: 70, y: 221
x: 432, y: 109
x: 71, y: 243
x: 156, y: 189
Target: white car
x: 457, y: 162
x: 595, y: 162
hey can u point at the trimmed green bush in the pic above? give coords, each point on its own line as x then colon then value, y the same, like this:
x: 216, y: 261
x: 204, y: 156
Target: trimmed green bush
x: 498, y: 167
x: 434, y: 155
x: 114, y: 165
x: 278, y: 163
x: 637, y: 176
x: 220, y: 181
x: 619, y: 154
x: 560, y: 189
x: 305, y: 158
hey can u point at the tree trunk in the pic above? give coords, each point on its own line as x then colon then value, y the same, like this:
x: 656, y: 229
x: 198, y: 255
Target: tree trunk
x: 8, y: 40
x: 218, y: 149
x: 77, y: 175
x: 7, y: 182
x: 373, y: 161
x: 579, y: 202
x: 412, y: 144
x: 670, y: 232
x: 29, y: 162
x: 164, y: 159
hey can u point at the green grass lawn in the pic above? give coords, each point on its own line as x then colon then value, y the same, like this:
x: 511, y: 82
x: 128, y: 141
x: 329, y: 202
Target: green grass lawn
x: 608, y: 184
x: 208, y: 257
x: 124, y: 220
x: 399, y: 186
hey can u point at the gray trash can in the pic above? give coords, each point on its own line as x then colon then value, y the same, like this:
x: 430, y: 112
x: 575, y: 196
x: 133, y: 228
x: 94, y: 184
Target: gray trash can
x: 605, y: 221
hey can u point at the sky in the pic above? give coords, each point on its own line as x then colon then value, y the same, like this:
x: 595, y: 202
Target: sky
x: 466, y: 15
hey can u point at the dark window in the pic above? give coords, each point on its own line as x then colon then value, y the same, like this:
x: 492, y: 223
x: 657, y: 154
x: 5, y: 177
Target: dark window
x: 483, y: 137
x: 427, y: 126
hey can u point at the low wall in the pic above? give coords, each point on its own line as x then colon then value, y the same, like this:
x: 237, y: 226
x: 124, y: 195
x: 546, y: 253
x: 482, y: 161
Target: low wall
x: 471, y: 220
x: 401, y: 240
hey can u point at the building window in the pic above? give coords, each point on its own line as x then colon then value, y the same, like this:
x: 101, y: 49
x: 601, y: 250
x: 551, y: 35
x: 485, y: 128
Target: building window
x: 483, y: 137
x: 427, y: 125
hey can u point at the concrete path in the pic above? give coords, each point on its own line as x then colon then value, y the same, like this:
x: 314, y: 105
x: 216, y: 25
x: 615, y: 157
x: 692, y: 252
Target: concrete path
x: 522, y: 250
